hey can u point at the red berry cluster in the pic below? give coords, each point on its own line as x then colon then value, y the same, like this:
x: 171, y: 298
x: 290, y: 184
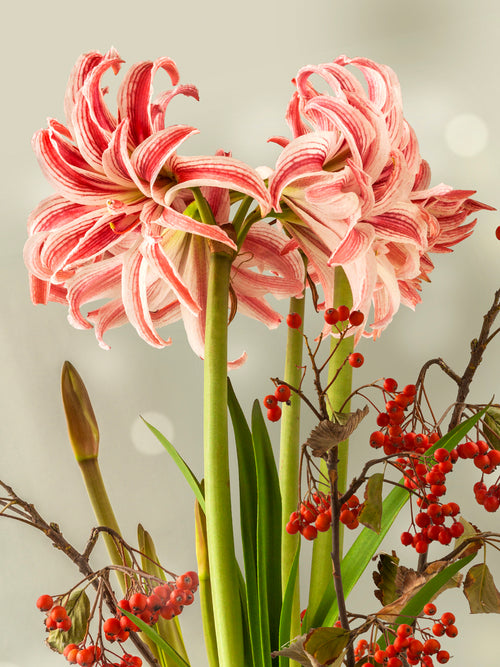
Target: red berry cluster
x: 349, y: 512
x: 406, y: 648
x: 342, y: 316
x: 314, y: 515
x: 165, y: 600
x: 489, y: 498
x: 57, y: 616
x: 281, y: 395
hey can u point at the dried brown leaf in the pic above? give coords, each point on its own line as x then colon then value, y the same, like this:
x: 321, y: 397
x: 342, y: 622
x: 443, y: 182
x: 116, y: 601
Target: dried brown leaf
x: 328, y: 434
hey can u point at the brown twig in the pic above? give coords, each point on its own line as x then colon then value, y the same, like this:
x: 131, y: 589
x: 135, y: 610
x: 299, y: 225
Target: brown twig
x: 31, y: 516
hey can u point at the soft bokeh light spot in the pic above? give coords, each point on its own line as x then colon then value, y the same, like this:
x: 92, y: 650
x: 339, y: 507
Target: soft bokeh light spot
x: 466, y: 134
x: 144, y: 441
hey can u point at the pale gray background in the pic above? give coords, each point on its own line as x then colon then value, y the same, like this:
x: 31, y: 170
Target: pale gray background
x: 242, y: 57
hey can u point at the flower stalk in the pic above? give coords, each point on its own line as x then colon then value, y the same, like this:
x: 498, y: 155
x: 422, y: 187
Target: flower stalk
x: 289, y: 458
x: 220, y: 539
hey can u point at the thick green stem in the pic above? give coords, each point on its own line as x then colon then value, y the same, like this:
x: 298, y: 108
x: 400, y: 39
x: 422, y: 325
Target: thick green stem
x: 289, y: 460
x: 103, y: 511
x: 321, y: 570
x: 207, y: 610
x: 222, y: 560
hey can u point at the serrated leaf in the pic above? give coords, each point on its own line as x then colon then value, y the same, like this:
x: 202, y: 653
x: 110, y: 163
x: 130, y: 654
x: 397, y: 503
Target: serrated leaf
x: 326, y: 645
x: 480, y: 591
x: 328, y: 434
x: 492, y: 426
x: 371, y: 514
x: 78, y: 607
x: 385, y: 578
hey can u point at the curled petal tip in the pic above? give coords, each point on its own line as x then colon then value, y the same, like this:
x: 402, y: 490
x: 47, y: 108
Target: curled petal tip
x: 82, y: 424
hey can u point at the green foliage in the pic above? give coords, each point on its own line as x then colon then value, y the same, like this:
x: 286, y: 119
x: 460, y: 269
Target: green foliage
x: 286, y: 609
x: 326, y: 645
x: 77, y: 605
x: 480, y: 591
x: 181, y: 464
x: 157, y: 640
x: 371, y: 514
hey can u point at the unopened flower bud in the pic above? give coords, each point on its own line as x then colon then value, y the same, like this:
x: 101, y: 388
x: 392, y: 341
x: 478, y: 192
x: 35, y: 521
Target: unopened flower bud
x: 82, y: 425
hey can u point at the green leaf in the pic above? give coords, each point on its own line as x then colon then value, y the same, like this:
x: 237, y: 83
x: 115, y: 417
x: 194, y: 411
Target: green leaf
x: 268, y: 533
x: 156, y: 639
x: 326, y: 645
x: 371, y: 514
x: 415, y: 606
x: 248, y: 517
x: 181, y: 464
x: 385, y: 578
x: 367, y: 543
x: 78, y: 607
x: 480, y: 591
x: 169, y: 630
x: 287, y: 606
x: 492, y: 426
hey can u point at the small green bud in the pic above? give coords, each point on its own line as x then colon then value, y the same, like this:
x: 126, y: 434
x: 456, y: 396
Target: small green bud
x: 82, y: 424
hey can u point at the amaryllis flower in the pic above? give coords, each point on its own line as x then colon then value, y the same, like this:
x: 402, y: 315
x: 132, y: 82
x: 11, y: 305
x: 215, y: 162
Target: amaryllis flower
x: 351, y: 189
x: 118, y: 226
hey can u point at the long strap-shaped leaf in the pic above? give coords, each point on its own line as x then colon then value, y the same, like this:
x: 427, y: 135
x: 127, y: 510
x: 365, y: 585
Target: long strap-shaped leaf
x: 169, y: 630
x: 415, y: 606
x: 248, y: 517
x: 181, y: 464
x: 367, y: 543
x: 287, y: 607
x: 156, y: 639
x: 268, y: 534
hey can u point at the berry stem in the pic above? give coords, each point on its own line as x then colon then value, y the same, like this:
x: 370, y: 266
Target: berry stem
x: 321, y: 567
x: 332, y: 464
x: 220, y: 540
x: 289, y: 459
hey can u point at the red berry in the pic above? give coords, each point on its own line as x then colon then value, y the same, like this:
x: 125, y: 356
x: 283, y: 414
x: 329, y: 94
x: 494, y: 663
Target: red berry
x: 491, y: 503
x: 270, y: 401
x: 497, y: 232
x: 452, y: 631
x: 442, y: 657
x: 138, y: 602
x: 382, y: 419
x: 68, y: 648
x: 44, y: 602
x: 390, y: 385
x: 65, y: 624
x: 343, y: 312
x: 58, y: 614
x: 331, y: 316
x: 494, y: 457
x: 404, y: 630
x: 430, y: 609
x: 112, y: 627
x: 310, y: 532
x: 406, y: 539
x: 323, y: 521
x: 356, y: 359
x: 356, y: 318
x: 282, y: 393
x: 274, y: 413
x: 85, y: 657
x: 294, y: 320
x: 431, y: 646
x: 448, y: 618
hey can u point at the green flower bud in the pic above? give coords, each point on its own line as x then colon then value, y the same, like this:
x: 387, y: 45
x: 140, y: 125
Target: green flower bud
x: 82, y: 424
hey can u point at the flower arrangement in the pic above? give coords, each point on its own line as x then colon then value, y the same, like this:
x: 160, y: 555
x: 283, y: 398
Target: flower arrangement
x: 347, y: 219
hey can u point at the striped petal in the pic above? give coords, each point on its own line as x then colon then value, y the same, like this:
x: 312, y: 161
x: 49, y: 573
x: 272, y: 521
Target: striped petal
x: 218, y: 171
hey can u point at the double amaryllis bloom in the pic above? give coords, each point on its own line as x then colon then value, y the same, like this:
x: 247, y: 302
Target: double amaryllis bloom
x: 119, y: 228
x: 350, y: 189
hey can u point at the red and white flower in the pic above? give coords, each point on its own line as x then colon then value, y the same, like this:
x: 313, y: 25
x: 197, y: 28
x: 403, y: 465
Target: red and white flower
x: 351, y: 189
x: 117, y: 227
